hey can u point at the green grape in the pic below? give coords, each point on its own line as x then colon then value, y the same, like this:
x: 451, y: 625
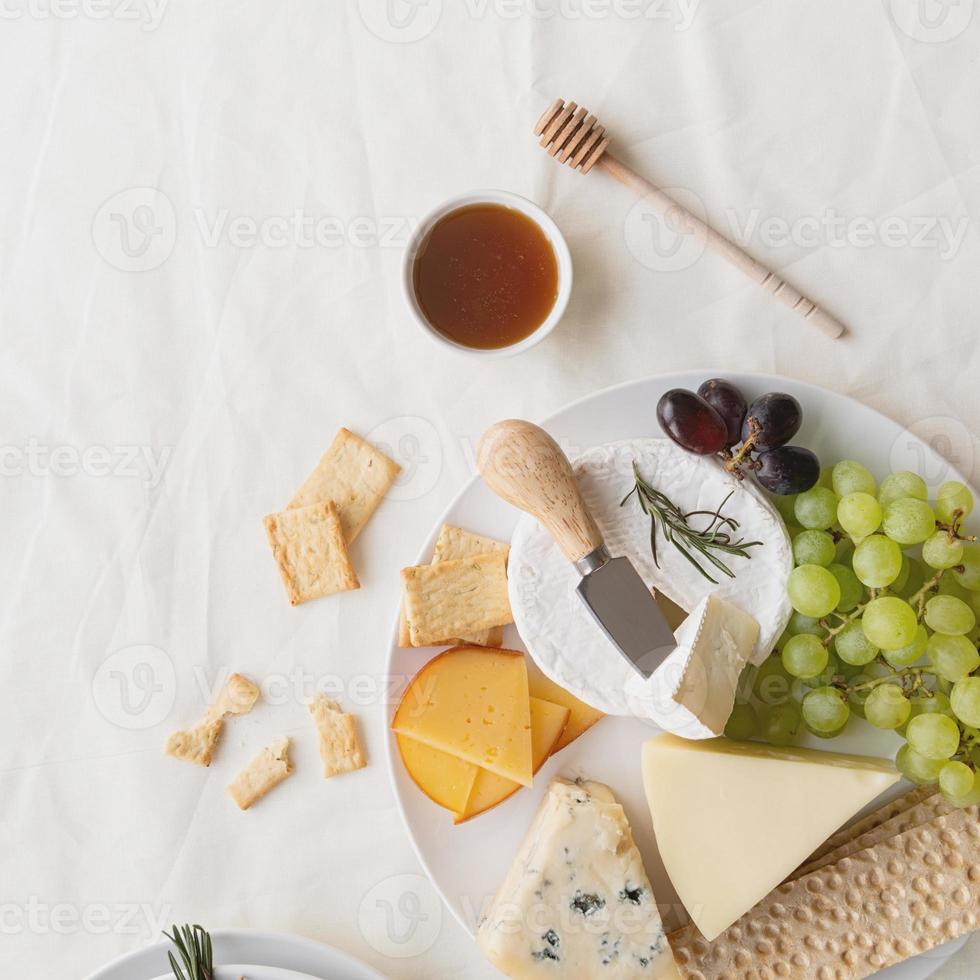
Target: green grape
x: 798, y: 623
x: 826, y: 678
x: 771, y: 684
x: 887, y: 707
x: 930, y: 703
x: 889, y: 622
x: 918, y: 768
x: 785, y: 504
x: 742, y: 723
x: 949, y: 586
x: 845, y: 550
x: 813, y: 590
x: 973, y: 601
x: 851, y: 590
x: 903, y: 575
x: 805, y: 656
x: 953, y: 657
x: 908, y: 521
x: 816, y: 508
x: 908, y: 655
x: 938, y: 551
x: 965, y: 701
x: 902, y: 484
x: 859, y: 514
x: 877, y: 561
x: 853, y: 647
x: 933, y: 735
x: 949, y: 615
x: 825, y: 711
x: 826, y: 478
x: 780, y: 723
x: 915, y: 580
x: 969, y: 577
x: 956, y: 780
x: 953, y: 502
x: 850, y: 477
x: 814, y: 548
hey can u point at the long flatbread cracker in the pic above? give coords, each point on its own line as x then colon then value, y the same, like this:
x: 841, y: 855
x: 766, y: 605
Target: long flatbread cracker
x: 266, y: 771
x: 453, y: 543
x: 355, y: 476
x: 455, y: 598
x: 850, y: 919
x: 872, y: 820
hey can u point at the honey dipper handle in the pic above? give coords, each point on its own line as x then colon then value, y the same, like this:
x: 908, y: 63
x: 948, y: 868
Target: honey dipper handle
x: 526, y: 467
x: 755, y: 270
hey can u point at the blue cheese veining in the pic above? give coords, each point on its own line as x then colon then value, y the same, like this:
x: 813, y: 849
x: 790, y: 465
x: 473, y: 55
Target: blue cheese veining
x: 576, y: 901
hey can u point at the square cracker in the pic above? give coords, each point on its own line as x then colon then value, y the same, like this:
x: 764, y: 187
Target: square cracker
x: 340, y: 749
x: 237, y: 697
x: 197, y: 745
x: 309, y: 547
x: 455, y: 598
x: 267, y: 770
x: 453, y: 543
x: 354, y: 475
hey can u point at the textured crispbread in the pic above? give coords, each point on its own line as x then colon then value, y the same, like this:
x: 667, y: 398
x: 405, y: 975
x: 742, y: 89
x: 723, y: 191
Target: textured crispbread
x: 196, y: 745
x: 933, y: 806
x: 354, y: 475
x: 267, y: 770
x: 455, y: 598
x: 310, y: 550
x: 340, y: 748
x: 453, y: 543
x: 872, y: 820
x: 237, y: 697
x: 850, y: 919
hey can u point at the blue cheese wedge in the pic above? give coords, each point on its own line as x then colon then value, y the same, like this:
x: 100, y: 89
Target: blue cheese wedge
x: 576, y: 901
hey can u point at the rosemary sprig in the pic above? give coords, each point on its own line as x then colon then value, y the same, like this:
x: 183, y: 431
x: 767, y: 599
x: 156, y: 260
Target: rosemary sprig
x: 718, y: 536
x: 194, y: 946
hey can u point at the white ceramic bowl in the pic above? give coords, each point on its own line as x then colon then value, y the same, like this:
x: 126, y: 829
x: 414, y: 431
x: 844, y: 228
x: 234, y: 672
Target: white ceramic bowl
x: 551, y: 232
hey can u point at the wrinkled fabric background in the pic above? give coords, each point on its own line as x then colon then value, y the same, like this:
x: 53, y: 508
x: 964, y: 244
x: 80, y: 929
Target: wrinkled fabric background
x: 202, y: 209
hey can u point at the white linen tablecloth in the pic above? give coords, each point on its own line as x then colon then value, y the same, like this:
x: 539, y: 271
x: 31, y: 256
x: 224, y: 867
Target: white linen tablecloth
x: 202, y: 209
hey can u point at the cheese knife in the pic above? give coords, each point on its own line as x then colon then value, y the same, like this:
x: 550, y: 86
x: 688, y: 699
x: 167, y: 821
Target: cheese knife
x: 522, y: 464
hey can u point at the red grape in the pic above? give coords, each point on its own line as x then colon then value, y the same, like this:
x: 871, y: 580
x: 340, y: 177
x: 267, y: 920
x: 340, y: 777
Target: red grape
x: 776, y: 418
x: 729, y: 403
x: 788, y: 469
x: 691, y: 422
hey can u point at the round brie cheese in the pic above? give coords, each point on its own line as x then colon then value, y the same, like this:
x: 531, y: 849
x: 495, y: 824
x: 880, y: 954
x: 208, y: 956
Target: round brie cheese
x: 551, y: 618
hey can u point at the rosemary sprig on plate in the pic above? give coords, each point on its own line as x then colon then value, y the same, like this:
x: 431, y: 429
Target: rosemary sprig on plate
x: 719, y: 535
x: 194, y: 946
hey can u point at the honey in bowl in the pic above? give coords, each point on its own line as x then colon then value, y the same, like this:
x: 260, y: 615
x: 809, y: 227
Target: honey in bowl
x: 485, y: 276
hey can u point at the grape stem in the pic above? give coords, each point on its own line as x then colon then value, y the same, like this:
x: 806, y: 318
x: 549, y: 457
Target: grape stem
x: 952, y: 529
x: 845, y: 621
x: 915, y: 672
x: 735, y: 461
x: 918, y: 599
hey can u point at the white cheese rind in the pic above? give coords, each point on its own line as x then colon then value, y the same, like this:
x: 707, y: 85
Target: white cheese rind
x: 576, y: 901
x: 552, y: 621
x: 733, y: 819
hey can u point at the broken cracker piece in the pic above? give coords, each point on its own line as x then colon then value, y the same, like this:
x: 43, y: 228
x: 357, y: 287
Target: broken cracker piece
x: 237, y: 697
x: 455, y: 598
x: 355, y: 476
x: 340, y: 749
x: 309, y: 548
x: 266, y: 771
x: 196, y: 745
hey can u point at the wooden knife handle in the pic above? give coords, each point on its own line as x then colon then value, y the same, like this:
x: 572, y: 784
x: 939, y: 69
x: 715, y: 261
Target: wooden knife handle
x: 526, y: 467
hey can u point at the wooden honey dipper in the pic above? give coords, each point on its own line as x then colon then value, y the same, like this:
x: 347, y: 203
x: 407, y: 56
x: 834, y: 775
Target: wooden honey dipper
x: 573, y: 136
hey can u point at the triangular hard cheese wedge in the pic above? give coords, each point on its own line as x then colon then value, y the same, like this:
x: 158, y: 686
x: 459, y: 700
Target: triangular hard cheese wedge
x: 547, y: 724
x: 581, y: 716
x: 443, y: 778
x: 733, y: 819
x: 472, y: 703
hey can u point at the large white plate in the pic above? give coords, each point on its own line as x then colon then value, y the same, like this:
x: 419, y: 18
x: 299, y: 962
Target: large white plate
x: 467, y: 863
x: 268, y: 955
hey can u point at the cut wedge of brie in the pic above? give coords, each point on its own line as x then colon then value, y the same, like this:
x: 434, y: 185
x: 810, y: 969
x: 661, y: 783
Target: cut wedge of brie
x: 693, y: 691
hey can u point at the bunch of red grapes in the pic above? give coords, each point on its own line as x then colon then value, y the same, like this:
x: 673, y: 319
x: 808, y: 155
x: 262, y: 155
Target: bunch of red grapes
x: 717, y: 420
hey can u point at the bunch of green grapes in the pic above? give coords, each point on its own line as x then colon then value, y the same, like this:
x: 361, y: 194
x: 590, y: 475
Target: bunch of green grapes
x: 886, y: 593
